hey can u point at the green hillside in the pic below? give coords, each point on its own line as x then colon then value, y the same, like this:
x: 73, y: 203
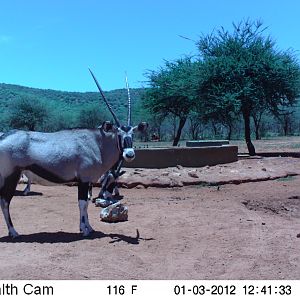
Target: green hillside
x: 75, y: 109
x: 66, y: 105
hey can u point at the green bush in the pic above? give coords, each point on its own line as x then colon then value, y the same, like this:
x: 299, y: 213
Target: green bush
x: 28, y: 113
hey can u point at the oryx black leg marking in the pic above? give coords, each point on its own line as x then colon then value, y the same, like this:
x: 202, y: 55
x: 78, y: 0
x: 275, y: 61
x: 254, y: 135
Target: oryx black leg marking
x: 6, y: 194
x: 84, y: 224
x: 107, y: 186
x: 111, y: 187
x: 90, y: 191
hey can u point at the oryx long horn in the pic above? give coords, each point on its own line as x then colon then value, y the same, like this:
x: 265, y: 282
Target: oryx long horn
x: 106, y: 102
x: 129, y: 101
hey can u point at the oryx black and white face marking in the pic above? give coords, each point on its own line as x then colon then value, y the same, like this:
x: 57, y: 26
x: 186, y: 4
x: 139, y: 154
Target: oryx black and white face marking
x: 125, y: 134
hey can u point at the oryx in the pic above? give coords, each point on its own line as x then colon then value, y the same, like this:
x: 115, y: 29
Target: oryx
x: 78, y: 155
x: 108, y: 182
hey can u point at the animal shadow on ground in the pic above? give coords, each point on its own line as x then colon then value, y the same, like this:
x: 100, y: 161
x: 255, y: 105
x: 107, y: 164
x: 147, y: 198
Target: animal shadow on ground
x: 21, y: 193
x: 69, y: 237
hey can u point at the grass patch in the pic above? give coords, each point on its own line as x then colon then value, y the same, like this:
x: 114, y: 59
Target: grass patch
x: 208, y: 185
x: 295, y: 146
x: 287, y: 178
x: 202, y: 185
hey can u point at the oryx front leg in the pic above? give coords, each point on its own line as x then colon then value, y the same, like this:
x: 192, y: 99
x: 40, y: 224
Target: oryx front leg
x: 5, y: 209
x: 84, y: 224
x: 6, y: 193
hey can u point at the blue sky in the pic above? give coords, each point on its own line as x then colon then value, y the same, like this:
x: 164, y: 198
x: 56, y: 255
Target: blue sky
x: 51, y: 43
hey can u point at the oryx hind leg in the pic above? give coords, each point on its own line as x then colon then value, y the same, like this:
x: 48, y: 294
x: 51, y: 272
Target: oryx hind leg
x: 90, y: 192
x: 27, y: 188
x: 6, y: 193
x: 84, y: 224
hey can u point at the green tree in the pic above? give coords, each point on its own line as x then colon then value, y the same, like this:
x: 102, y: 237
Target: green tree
x: 172, y: 91
x: 257, y: 115
x: 219, y: 109
x: 92, y: 116
x: 195, y: 125
x: 4, y: 123
x: 286, y: 119
x: 28, y: 113
x: 245, y: 67
x: 60, y: 119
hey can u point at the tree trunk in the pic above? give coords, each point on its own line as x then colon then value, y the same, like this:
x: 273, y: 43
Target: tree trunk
x: 215, y: 129
x: 285, y: 126
x: 173, y: 122
x: 194, y: 128
x: 229, y: 133
x: 178, y: 134
x: 257, y: 135
x: 195, y: 132
x: 31, y: 127
x: 250, y: 146
x: 257, y: 127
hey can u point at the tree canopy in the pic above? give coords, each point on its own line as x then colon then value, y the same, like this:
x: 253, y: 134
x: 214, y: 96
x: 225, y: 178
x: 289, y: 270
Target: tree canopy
x: 91, y: 116
x: 243, y: 71
x: 28, y: 113
x: 238, y: 73
x: 172, y: 91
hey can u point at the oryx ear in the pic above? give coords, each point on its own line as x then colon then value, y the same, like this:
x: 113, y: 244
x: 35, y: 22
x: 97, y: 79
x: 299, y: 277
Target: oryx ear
x: 142, y: 126
x: 107, y: 126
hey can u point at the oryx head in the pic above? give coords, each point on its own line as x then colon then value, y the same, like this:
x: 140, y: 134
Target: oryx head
x: 125, y: 137
x: 123, y: 132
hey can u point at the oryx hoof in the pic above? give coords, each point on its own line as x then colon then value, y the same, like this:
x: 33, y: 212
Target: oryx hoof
x: 13, y: 234
x: 90, y: 229
x: 86, y: 231
x: 118, y: 197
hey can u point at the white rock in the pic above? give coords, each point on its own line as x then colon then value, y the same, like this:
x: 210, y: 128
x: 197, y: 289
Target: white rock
x: 116, y: 212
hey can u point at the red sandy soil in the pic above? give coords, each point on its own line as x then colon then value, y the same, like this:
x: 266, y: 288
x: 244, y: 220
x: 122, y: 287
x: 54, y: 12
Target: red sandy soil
x: 248, y: 230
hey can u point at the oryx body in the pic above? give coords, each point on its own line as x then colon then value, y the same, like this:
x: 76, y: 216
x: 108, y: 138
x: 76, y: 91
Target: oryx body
x: 79, y: 155
x: 66, y: 156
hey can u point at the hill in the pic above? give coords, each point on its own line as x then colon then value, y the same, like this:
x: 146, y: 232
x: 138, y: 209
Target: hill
x: 68, y: 104
x: 77, y: 109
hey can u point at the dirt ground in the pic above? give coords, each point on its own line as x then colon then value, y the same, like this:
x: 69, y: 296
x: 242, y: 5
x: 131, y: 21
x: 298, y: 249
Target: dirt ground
x: 231, y: 231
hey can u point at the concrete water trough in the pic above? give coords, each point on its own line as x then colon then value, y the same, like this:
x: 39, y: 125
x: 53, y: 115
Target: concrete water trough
x: 186, y: 156
x: 206, y: 143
